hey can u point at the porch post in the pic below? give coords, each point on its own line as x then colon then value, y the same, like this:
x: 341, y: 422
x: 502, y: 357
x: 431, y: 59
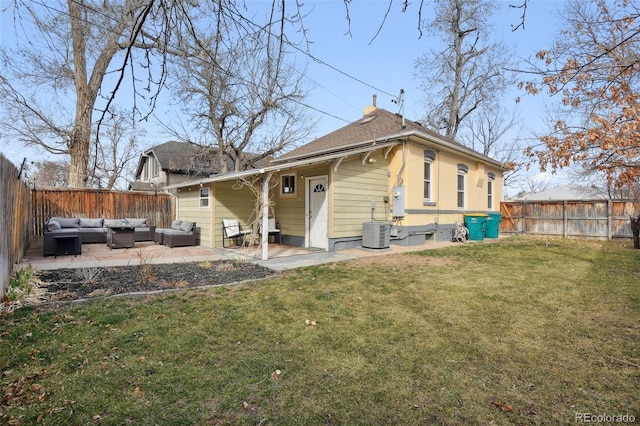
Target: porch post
x: 265, y: 215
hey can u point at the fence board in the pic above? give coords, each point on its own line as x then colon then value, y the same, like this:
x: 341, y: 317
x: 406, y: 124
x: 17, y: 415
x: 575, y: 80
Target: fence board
x: 15, y: 203
x: 597, y: 219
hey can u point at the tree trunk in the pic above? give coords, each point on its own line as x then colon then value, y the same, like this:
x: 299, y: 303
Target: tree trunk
x: 79, y: 155
x: 635, y: 231
x: 80, y: 136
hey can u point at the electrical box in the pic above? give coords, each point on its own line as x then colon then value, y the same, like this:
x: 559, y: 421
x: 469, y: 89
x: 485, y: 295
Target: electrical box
x: 375, y: 235
x: 398, y: 201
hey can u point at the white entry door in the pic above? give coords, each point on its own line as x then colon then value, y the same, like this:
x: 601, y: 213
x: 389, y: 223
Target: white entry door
x: 317, y: 213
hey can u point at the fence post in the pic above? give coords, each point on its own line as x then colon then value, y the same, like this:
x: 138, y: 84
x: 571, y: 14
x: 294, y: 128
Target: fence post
x: 609, y: 220
x: 565, y: 220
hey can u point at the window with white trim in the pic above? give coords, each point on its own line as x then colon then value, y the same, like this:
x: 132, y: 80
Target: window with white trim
x: 288, y: 184
x: 156, y: 166
x: 145, y: 170
x: 204, y: 198
x: 429, y: 156
x: 462, y: 183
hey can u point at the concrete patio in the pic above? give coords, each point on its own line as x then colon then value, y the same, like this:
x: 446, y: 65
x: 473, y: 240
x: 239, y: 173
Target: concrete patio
x: 282, y: 257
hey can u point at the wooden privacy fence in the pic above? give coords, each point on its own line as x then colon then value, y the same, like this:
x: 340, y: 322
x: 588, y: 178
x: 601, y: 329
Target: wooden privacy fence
x: 597, y: 219
x: 157, y: 208
x: 15, y: 204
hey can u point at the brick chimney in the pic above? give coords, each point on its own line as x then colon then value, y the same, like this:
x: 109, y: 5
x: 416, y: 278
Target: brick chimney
x: 369, y: 109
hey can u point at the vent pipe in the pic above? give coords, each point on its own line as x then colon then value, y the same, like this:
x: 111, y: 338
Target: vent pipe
x: 369, y: 109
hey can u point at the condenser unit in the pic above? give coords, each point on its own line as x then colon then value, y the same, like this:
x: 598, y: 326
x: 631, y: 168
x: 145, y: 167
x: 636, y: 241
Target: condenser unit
x: 375, y: 235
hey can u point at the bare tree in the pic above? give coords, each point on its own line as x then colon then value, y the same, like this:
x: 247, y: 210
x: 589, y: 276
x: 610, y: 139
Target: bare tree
x: 114, y: 157
x: 242, y: 96
x: 469, y: 74
x: 71, y: 51
x: 49, y: 173
x: 405, y: 6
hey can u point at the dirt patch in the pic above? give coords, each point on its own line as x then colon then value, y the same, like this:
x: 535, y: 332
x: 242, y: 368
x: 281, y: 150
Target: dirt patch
x: 402, y: 259
x: 89, y: 283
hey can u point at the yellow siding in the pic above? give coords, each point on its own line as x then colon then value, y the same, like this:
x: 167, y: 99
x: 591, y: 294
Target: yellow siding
x: 189, y: 209
x: 289, y: 211
x: 444, y: 206
x: 231, y: 203
x: 353, y: 187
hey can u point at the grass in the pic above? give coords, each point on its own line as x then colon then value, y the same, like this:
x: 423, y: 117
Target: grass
x: 523, y: 331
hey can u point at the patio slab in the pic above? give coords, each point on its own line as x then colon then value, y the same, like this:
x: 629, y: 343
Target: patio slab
x: 281, y: 257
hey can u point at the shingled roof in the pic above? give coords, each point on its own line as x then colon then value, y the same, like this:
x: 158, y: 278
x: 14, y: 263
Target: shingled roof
x: 178, y: 157
x: 183, y: 157
x: 377, y: 125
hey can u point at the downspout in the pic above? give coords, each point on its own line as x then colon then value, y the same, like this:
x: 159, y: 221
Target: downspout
x: 399, y: 180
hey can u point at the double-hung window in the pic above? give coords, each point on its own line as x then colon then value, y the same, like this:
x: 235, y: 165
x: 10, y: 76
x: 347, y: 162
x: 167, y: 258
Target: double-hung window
x: 429, y: 156
x: 204, y: 198
x: 156, y: 166
x: 462, y: 183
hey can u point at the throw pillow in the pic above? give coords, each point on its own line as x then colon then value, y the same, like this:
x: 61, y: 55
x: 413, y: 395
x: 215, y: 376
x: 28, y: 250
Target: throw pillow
x: 186, y: 226
x: 53, y: 225
x: 176, y: 224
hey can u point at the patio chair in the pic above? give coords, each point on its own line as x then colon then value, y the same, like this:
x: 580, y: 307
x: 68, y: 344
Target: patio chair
x: 185, y: 236
x: 274, y: 230
x: 231, y: 230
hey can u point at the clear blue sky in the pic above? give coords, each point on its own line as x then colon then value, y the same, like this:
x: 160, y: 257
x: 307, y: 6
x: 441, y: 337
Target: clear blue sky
x: 382, y: 66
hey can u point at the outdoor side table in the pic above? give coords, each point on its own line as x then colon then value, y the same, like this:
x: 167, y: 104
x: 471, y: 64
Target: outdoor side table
x: 121, y: 236
x: 68, y: 243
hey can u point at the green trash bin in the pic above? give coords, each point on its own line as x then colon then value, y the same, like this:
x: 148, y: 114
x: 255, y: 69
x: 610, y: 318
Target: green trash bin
x: 492, y: 225
x: 475, y: 224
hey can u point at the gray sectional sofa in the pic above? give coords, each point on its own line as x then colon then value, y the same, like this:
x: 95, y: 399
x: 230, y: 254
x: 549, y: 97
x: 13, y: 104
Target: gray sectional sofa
x: 182, y: 233
x: 91, y: 230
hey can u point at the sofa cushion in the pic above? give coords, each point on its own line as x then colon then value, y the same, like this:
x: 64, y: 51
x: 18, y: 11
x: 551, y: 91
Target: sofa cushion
x: 113, y: 222
x: 53, y: 225
x: 91, y: 223
x: 67, y: 222
x: 136, y: 222
x: 186, y: 226
x: 176, y: 224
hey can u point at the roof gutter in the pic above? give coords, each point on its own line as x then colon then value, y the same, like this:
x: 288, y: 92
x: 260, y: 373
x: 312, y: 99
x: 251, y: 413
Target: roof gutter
x: 284, y: 166
x: 405, y: 136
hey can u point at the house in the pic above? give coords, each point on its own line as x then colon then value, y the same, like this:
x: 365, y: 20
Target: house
x: 380, y: 168
x: 174, y: 162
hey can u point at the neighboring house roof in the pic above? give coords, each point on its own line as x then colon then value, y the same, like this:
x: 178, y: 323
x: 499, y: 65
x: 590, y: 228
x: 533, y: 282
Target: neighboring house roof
x: 375, y: 126
x: 141, y: 186
x: 183, y: 157
x: 564, y: 192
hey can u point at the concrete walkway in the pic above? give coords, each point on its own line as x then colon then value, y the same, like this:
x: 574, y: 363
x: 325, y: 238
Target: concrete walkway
x: 282, y: 257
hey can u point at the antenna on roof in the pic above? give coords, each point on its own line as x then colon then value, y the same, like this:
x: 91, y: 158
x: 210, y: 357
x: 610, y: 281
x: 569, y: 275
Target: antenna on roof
x: 400, y: 100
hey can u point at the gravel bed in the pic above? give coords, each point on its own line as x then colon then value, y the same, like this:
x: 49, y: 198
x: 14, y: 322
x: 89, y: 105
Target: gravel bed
x: 88, y: 283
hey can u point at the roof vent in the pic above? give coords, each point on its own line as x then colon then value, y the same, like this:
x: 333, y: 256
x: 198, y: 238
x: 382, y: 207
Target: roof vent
x: 368, y: 119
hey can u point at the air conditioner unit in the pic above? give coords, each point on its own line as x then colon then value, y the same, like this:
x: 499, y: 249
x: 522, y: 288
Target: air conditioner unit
x: 375, y: 235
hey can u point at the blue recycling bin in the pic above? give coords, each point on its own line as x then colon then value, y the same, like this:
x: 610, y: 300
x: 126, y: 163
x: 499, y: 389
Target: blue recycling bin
x: 475, y: 223
x: 492, y: 225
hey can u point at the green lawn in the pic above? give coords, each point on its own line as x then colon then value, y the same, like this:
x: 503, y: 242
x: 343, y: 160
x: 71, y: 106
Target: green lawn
x: 522, y: 331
